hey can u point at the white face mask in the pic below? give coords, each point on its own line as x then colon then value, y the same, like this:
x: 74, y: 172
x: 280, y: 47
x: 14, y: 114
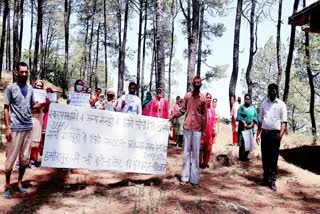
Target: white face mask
x: 79, y: 88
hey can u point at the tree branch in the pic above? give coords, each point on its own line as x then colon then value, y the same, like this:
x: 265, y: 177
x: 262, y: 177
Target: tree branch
x: 305, y: 97
x: 183, y: 10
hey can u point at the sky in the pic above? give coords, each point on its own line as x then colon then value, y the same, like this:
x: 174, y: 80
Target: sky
x: 222, y: 51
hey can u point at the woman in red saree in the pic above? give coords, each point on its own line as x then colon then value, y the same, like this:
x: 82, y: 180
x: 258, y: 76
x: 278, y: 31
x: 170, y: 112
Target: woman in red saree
x: 207, y: 141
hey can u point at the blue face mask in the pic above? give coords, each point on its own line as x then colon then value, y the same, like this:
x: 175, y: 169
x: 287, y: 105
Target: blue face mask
x: 79, y: 88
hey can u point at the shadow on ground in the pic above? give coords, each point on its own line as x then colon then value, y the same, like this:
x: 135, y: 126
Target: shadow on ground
x: 306, y: 157
x: 42, y: 194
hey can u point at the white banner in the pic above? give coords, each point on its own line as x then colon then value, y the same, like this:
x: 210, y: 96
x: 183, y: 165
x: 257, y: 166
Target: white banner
x: 105, y: 140
x: 52, y: 97
x: 39, y: 95
x: 79, y: 99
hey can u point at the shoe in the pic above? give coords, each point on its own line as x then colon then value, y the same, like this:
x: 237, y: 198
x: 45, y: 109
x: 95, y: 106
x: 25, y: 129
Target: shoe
x: 202, y: 166
x: 7, y: 193
x: 183, y: 183
x: 32, y: 164
x: 263, y: 182
x: 273, y: 187
x: 22, y: 190
x: 196, y: 186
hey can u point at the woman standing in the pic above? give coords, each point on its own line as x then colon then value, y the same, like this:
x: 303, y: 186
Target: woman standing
x: 206, y: 143
x: 37, y: 121
x: 247, y: 117
x: 147, y: 104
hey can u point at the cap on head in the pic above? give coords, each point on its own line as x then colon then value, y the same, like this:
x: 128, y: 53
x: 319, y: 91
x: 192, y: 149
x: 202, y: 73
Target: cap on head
x: 110, y: 91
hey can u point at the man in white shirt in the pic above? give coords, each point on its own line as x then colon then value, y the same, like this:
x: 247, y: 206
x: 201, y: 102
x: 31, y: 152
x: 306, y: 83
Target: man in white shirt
x: 130, y: 103
x: 272, y: 125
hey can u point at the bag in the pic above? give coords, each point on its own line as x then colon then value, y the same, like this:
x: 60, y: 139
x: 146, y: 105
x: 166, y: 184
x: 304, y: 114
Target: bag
x: 249, y: 144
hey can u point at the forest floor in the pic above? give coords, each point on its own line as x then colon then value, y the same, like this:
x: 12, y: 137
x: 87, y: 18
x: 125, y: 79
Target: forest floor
x: 222, y: 189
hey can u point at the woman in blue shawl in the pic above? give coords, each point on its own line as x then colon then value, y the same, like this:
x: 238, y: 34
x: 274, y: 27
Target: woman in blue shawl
x: 146, y: 104
x: 247, y: 117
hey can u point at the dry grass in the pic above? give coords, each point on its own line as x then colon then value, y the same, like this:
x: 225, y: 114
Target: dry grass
x: 222, y: 189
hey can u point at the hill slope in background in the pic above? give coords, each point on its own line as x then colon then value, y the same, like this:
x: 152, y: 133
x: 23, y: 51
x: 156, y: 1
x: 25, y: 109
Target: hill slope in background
x: 223, y: 189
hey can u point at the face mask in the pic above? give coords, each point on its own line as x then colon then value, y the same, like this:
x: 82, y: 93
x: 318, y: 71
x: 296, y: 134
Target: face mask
x: 272, y: 97
x: 110, y: 97
x: 79, y: 88
x: 22, y: 79
x: 196, y: 87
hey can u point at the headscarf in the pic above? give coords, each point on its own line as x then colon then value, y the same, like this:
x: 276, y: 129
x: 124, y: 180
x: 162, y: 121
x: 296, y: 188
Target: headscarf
x: 148, y: 99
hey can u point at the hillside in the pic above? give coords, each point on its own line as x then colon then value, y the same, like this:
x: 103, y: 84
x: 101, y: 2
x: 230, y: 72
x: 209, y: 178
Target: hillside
x: 223, y: 189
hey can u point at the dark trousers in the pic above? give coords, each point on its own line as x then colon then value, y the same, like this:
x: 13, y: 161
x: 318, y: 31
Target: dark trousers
x: 243, y: 154
x: 270, y: 145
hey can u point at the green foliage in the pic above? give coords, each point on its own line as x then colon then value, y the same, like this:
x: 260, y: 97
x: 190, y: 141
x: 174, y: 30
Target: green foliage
x: 300, y: 64
x: 215, y: 73
x: 264, y: 71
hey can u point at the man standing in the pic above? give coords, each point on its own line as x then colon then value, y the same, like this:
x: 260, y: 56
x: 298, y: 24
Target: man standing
x: 194, y: 105
x: 130, y: 103
x: 272, y: 125
x: 18, y: 100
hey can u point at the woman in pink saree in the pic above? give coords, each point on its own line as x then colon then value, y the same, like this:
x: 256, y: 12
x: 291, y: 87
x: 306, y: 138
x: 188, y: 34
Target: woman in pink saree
x: 207, y: 141
x: 159, y: 106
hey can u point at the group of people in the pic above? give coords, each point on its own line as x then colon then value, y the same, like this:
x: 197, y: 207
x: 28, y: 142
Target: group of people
x: 194, y: 124
x: 271, y: 121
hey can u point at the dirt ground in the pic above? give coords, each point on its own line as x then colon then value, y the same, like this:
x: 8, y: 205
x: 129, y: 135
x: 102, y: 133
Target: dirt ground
x: 223, y: 189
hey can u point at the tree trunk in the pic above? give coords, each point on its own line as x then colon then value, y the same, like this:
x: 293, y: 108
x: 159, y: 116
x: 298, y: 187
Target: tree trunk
x: 120, y: 74
x: 236, y: 45
x: 160, y: 45
x: 97, y: 53
x: 139, y: 45
x: 31, y: 36
x: 152, y: 66
x: 155, y: 53
x: 251, y: 52
x: 84, y: 74
x: 312, y: 91
x: 194, y: 42
x: 144, y: 48
x: 8, y: 47
x: 16, y: 35
x: 47, y: 49
x: 311, y: 84
x: 290, y: 55
x: 67, y: 13
x: 21, y: 26
x: 105, y: 44
x: 200, y: 41
x: 90, y: 70
x: 174, y: 15
x: 42, y: 53
x: 279, y: 44
x: 187, y: 16
x: 3, y: 33
x: 34, y: 73
x: 123, y: 49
